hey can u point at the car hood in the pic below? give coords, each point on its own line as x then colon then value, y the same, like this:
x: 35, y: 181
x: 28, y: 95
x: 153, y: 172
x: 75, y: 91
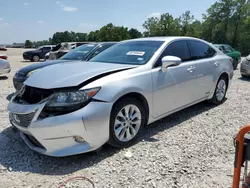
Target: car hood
x: 24, y: 71
x: 72, y: 74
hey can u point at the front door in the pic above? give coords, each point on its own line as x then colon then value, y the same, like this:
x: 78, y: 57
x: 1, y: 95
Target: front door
x: 176, y: 87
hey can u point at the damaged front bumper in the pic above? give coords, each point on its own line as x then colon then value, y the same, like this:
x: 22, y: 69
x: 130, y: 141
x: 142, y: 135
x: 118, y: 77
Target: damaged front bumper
x: 59, y: 135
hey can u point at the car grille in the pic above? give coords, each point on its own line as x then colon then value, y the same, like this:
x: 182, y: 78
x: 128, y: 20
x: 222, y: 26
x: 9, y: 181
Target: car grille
x: 33, y: 95
x: 22, y: 120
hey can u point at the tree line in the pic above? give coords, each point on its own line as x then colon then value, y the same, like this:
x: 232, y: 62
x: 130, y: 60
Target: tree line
x: 226, y: 21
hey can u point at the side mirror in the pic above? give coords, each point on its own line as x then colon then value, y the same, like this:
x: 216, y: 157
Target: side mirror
x: 169, y: 61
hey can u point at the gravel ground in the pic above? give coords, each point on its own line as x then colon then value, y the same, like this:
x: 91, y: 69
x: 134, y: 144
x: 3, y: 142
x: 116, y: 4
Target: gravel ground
x: 192, y: 148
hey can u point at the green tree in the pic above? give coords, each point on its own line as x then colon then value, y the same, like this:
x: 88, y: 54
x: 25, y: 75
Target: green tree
x: 166, y: 25
x: 28, y: 44
x: 134, y: 33
x: 186, y: 21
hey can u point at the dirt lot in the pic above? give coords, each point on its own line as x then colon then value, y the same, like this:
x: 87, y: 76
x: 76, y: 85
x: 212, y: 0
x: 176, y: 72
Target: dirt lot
x: 192, y: 148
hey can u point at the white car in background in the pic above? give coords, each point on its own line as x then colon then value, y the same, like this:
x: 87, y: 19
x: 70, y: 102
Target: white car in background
x: 4, y: 67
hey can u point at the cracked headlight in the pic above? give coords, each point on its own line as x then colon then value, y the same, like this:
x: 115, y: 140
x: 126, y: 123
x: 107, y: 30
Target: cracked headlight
x: 71, y: 98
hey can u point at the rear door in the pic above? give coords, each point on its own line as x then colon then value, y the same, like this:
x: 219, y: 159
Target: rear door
x: 204, y: 57
x: 175, y: 88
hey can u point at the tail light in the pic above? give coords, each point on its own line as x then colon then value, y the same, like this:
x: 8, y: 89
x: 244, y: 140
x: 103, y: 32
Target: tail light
x: 231, y: 60
x: 3, y: 57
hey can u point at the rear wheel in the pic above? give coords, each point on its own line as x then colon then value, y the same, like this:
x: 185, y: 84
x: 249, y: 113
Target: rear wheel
x: 35, y: 58
x: 220, y: 91
x: 126, y: 121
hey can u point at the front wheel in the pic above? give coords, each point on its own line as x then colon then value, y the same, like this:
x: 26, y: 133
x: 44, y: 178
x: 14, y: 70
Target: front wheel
x: 220, y: 91
x: 126, y: 121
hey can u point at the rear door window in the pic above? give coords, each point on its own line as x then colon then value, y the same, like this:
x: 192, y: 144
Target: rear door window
x: 46, y: 49
x: 200, y: 50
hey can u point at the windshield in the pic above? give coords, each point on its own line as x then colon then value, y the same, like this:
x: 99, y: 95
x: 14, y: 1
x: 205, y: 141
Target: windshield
x: 79, y: 53
x: 131, y: 52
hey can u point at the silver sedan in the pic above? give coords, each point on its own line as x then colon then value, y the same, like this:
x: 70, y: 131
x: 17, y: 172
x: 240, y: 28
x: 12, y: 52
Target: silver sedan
x: 4, y: 67
x: 245, y: 67
x: 74, y: 108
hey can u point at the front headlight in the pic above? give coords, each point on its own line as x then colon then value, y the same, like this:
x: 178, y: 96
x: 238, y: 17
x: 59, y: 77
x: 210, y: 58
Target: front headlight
x: 71, y: 98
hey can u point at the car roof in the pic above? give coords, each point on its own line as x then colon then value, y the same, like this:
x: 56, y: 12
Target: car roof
x: 165, y: 39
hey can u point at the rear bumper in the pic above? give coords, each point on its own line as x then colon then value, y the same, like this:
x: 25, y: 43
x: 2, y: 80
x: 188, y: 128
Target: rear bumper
x: 55, y: 136
x: 5, y: 71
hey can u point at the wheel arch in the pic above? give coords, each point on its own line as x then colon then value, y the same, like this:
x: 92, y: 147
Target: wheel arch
x: 139, y: 97
x: 35, y: 55
x: 222, y: 74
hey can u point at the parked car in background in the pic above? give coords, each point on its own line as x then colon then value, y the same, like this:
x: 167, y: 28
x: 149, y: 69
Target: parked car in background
x: 78, y: 107
x: 234, y: 54
x: 4, y: 67
x: 245, y: 67
x: 37, y: 54
x: 3, y: 56
x: 3, y: 48
x: 61, y: 49
x: 82, y: 53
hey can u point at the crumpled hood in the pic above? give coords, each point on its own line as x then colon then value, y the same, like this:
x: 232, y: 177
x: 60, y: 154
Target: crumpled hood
x: 71, y: 74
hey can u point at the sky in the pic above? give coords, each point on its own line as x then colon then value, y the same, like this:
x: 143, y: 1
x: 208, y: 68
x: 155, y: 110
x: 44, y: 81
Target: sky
x: 40, y: 19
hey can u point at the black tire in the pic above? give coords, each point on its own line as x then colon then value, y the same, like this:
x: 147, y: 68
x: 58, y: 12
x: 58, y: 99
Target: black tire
x: 35, y: 58
x: 113, y: 140
x: 235, y: 64
x: 215, y: 100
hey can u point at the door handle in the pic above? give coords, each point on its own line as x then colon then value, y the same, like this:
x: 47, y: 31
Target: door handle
x: 216, y: 64
x: 190, y: 69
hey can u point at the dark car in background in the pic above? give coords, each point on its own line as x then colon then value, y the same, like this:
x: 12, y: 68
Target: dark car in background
x: 82, y: 53
x: 61, y: 49
x: 234, y: 54
x: 37, y: 54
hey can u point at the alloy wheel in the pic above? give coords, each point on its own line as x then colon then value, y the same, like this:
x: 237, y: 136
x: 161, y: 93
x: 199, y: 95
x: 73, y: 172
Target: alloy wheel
x: 127, y: 123
x: 221, y: 90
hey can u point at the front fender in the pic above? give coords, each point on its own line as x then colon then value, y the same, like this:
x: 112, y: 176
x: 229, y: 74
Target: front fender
x: 119, y: 84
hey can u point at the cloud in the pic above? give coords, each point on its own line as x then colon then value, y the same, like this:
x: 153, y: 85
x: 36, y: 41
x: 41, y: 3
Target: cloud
x: 3, y: 23
x: 25, y: 4
x: 155, y: 14
x: 66, y: 8
x: 70, y: 9
x: 41, y: 22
